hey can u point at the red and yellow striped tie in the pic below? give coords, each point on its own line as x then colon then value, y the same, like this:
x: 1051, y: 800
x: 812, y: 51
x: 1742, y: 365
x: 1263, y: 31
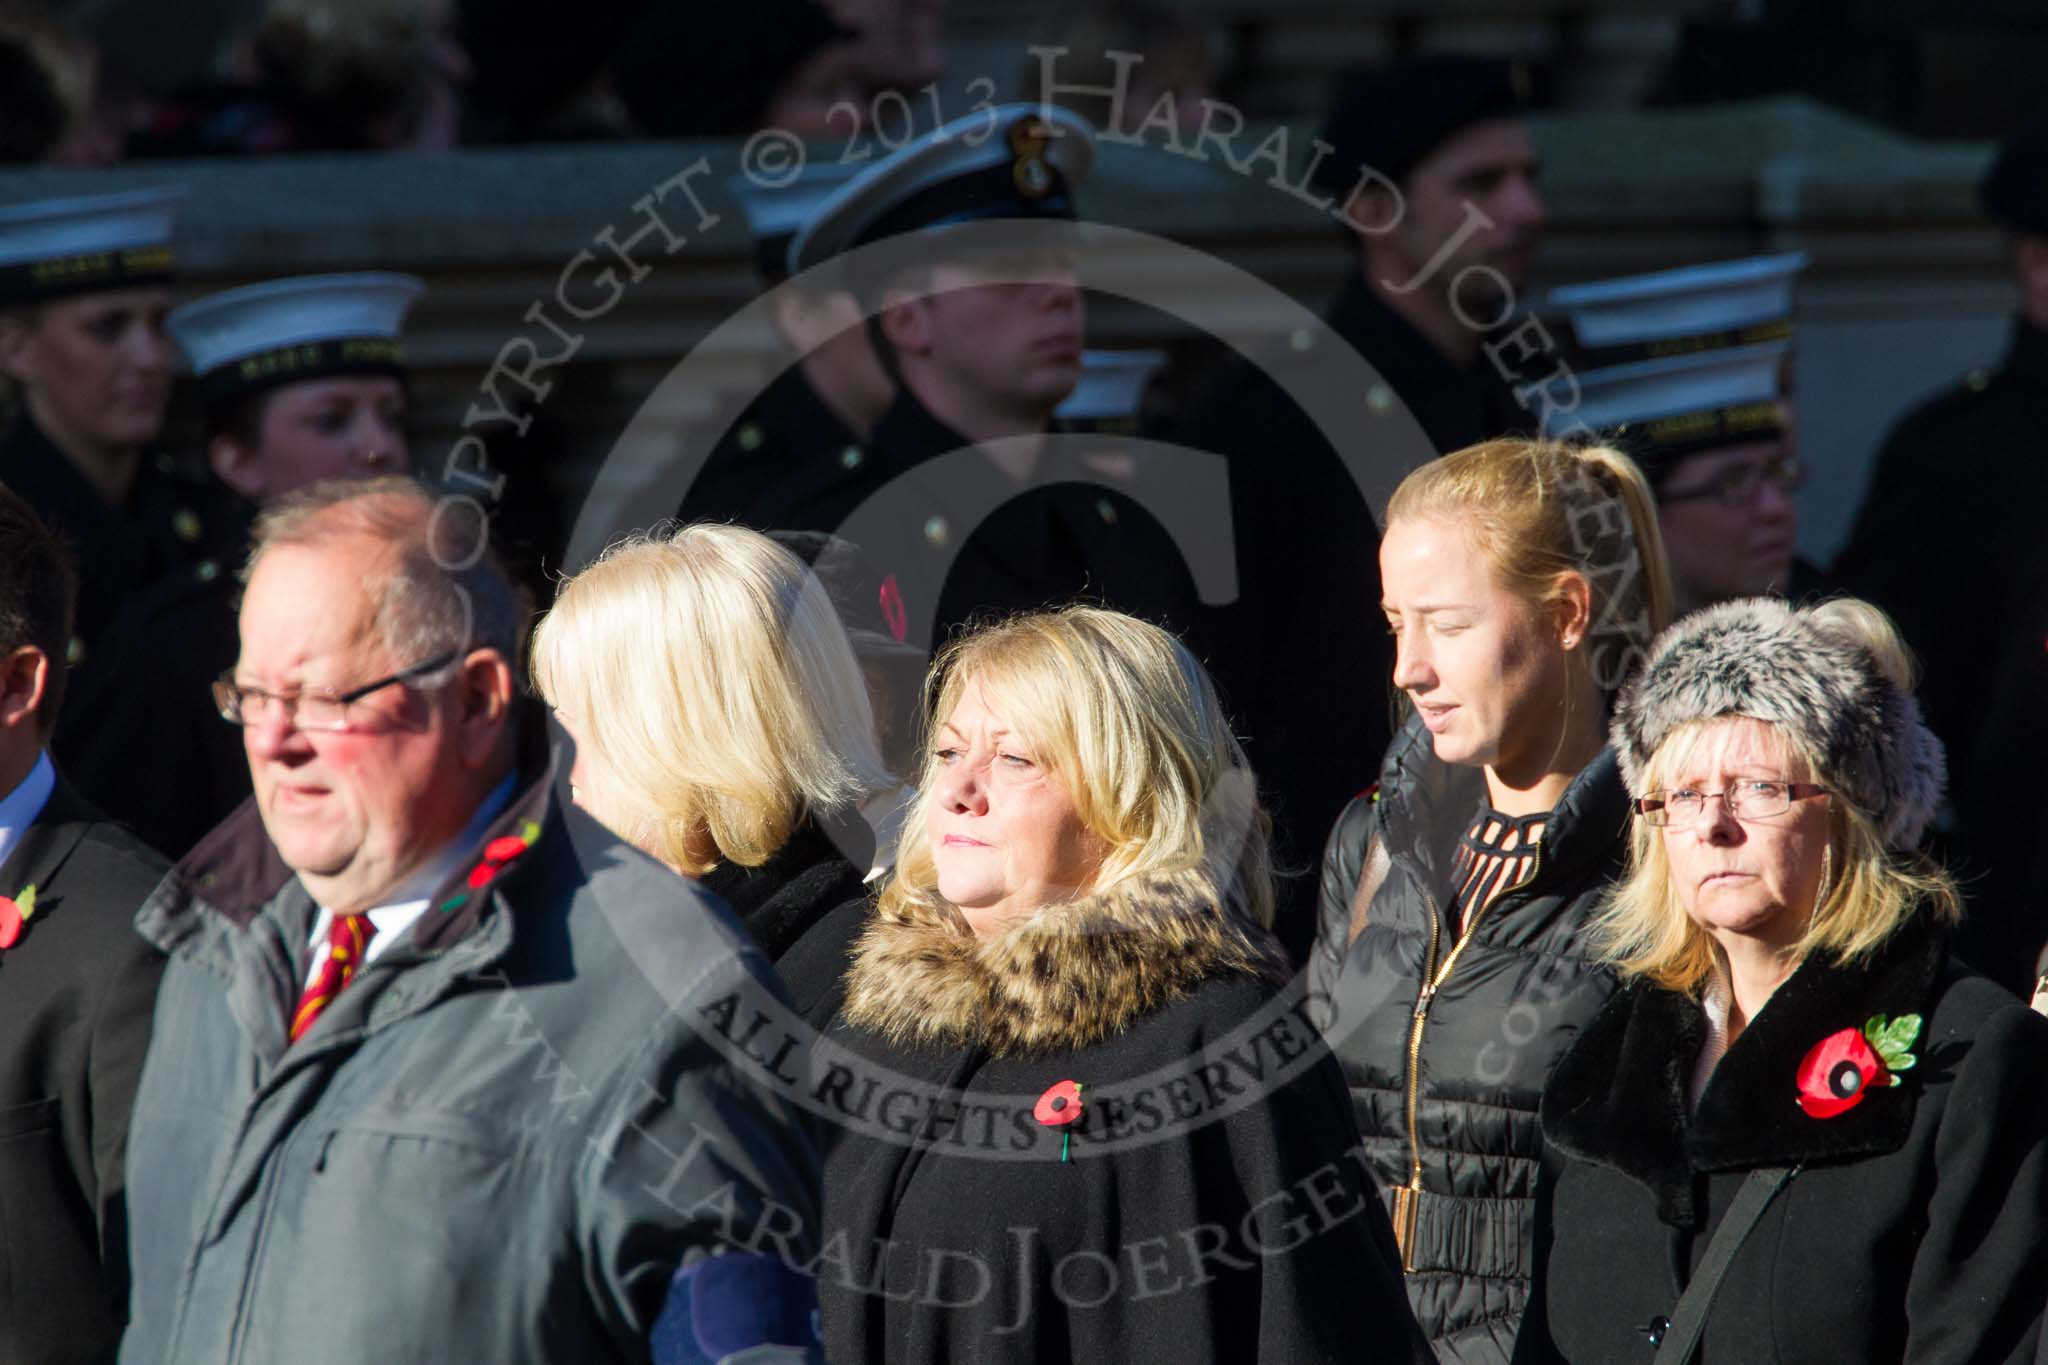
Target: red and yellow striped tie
x: 348, y: 938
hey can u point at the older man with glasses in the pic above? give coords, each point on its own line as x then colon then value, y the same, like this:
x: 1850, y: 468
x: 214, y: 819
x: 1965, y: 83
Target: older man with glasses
x: 432, y: 1076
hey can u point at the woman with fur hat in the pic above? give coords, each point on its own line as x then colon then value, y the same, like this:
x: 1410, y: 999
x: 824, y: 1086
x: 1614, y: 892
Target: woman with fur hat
x: 1522, y: 580
x: 1080, y: 1121
x: 1801, y: 1131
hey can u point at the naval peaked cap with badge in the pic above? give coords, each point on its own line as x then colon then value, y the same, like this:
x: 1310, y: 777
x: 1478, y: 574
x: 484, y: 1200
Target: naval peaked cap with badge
x: 1013, y: 162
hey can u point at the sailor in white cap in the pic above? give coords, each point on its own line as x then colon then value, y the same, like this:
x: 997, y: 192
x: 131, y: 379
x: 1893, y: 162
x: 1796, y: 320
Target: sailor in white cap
x: 1689, y: 370
x: 301, y: 379
x: 985, y: 341
x: 82, y: 302
x: 807, y: 431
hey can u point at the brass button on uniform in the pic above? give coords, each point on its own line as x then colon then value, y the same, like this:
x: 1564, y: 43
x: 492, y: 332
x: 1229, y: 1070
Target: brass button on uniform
x: 185, y: 522
x: 1379, y: 399
x: 208, y: 570
x: 1107, y: 510
x: 74, y: 653
x: 851, y: 457
x: 936, y: 531
x: 749, y: 436
x: 1976, y: 381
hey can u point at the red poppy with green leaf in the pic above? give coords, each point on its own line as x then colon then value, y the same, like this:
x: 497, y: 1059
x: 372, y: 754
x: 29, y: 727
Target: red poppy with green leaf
x: 14, y: 915
x: 1843, y: 1067
x: 498, y: 855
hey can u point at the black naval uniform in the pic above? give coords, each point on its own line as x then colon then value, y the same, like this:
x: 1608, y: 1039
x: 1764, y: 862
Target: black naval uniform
x: 1303, y: 655
x: 163, y: 762
x: 175, y: 530
x: 1948, y: 542
x: 77, y: 991
x: 789, y: 465
x: 786, y: 463
x: 1069, y: 538
x: 171, y: 522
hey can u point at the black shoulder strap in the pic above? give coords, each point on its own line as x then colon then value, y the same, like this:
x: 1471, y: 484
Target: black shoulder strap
x: 1681, y: 1339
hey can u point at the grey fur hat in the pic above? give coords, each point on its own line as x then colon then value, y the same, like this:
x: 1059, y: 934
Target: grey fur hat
x: 1810, y: 671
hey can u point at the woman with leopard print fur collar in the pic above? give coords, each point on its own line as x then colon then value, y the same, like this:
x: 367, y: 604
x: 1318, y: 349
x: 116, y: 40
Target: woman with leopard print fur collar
x: 1083, y: 1115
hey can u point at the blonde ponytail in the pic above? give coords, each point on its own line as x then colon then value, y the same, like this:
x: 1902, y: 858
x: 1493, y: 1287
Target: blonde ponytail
x: 1541, y: 509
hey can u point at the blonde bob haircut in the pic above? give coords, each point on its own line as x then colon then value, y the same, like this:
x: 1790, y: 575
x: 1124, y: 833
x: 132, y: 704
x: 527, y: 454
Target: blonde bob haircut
x: 1871, y: 892
x: 1541, y: 509
x: 1121, y: 714
x: 710, y: 675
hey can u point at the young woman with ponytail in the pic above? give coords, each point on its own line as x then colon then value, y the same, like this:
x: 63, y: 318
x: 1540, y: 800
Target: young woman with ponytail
x: 1523, y: 582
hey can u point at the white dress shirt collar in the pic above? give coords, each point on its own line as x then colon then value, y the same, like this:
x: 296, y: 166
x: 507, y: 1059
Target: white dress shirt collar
x: 408, y: 900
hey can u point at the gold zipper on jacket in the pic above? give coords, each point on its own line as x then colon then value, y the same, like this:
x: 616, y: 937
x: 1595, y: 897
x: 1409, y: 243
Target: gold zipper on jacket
x: 1409, y: 1196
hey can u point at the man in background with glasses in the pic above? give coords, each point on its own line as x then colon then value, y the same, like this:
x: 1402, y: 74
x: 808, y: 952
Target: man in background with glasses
x: 76, y: 985
x: 1690, y: 371
x: 430, y: 1077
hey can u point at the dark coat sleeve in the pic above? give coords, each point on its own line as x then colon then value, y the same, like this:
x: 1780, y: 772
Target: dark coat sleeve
x: 1931, y: 546
x: 120, y: 1038
x: 1302, y: 655
x: 1337, y: 1293
x: 1352, y: 846
x: 1976, y: 1291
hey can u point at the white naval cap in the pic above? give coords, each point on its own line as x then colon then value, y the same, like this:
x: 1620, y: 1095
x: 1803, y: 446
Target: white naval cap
x: 1693, y: 308
x: 55, y: 247
x: 1111, y: 388
x: 282, y: 331
x: 1008, y: 162
x: 776, y: 213
x: 1683, y: 360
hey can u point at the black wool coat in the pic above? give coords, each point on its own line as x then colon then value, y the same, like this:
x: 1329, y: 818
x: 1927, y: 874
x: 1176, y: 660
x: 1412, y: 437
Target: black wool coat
x: 1948, y: 541
x: 1915, y: 1226
x: 77, y: 991
x: 782, y: 901
x: 1209, y: 1204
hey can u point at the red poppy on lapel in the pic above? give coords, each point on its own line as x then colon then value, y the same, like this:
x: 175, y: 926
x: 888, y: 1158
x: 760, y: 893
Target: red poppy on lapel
x: 14, y: 915
x: 1840, y: 1069
x: 893, y: 613
x: 498, y: 854
x: 1058, y: 1107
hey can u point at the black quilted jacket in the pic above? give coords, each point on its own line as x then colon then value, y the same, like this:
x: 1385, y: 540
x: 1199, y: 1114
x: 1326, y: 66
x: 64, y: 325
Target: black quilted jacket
x: 1509, y: 995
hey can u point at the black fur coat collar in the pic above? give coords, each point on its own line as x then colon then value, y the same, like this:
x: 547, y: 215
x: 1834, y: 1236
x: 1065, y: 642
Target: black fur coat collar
x: 1619, y: 1098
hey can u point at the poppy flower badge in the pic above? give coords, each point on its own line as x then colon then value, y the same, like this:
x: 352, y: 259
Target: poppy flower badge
x: 14, y: 915
x: 1059, y: 1107
x: 1840, y: 1069
x: 498, y: 854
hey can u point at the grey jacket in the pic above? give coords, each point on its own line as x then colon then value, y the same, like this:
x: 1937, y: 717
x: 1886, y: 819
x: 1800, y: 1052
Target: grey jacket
x: 497, y: 1144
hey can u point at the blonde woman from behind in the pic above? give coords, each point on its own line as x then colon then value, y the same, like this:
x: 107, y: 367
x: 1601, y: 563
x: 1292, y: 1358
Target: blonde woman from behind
x: 721, y: 723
